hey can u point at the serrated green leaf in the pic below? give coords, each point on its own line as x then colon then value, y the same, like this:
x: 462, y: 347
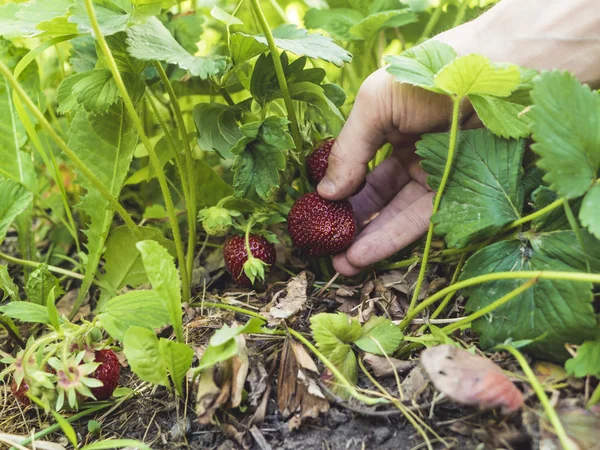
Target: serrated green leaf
x: 83, y: 54
x: 332, y: 330
x: 384, y: 331
x: 217, y: 127
x: 419, y: 65
x: 562, y: 245
x: 484, y: 191
x: 296, y: 40
x: 105, y: 142
x: 178, y: 359
x: 336, y: 21
x: 500, y: 116
x: 152, y: 7
x: 9, y: 27
x: 126, y: 63
x: 96, y: 90
x: 112, y: 15
x: 187, y: 30
x: 373, y: 23
x: 8, y: 286
x: 552, y: 312
x: 39, y: 284
x: 243, y: 47
x: 143, y: 355
x: 14, y: 199
x: 45, y: 17
x: 26, y: 312
x: 475, y: 74
x: 335, y: 93
x: 569, y: 147
x: 315, y: 95
x: 586, y: 362
x: 261, y: 155
x: 164, y: 277
x: 589, y: 214
x: 152, y: 41
x: 555, y: 219
x: 136, y: 308
x: 344, y: 359
x: 123, y: 260
x: 216, y: 354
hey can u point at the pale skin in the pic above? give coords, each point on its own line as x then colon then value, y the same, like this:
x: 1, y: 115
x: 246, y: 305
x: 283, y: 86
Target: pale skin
x: 394, y: 208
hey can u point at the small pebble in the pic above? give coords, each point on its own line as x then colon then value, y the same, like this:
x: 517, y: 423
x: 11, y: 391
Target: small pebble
x: 381, y: 434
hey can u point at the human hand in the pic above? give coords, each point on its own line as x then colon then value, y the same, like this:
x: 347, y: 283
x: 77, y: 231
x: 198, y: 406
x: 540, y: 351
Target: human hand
x: 394, y: 207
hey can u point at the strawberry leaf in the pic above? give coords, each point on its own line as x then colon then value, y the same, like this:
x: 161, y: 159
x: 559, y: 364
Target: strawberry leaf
x: 484, y: 191
x: 569, y: 147
x: 336, y: 21
x: 143, y: 355
x: 142, y: 308
x: 217, y: 128
x: 373, y: 23
x: 551, y: 313
x: 588, y: 214
x: 475, y: 74
x: 563, y: 245
x: 384, y: 331
x: 14, y: 199
x: 152, y: 41
x: 500, y: 116
x: 113, y: 16
x: 586, y: 362
x: 164, y: 277
x: 39, y: 285
x: 178, y: 359
x: 289, y: 38
x: 8, y: 286
x: 419, y: 65
x: 26, y: 312
x: 261, y: 155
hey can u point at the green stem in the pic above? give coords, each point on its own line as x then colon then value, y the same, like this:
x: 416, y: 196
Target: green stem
x: 338, y: 375
x: 236, y: 309
x: 546, y: 275
x: 438, y: 199
x: 489, y: 308
x: 79, y: 165
x: 460, y: 15
x: 544, y: 400
x: 162, y: 181
x: 575, y: 228
x: 517, y: 223
x: 285, y: 93
x: 433, y: 20
x: 448, y: 297
x: 398, y: 265
x: 594, y: 398
x: 35, y: 264
x: 189, y: 161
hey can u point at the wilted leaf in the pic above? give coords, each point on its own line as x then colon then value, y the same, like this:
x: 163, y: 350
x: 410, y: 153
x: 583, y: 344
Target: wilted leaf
x: 470, y: 379
x: 289, y: 301
x: 384, y: 367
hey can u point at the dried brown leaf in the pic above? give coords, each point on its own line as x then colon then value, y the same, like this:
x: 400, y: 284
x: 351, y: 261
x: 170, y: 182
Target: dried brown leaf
x: 381, y: 367
x: 415, y: 383
x: 239, y: 371
x: 209, y: 396
x: 294, y: 300
x: 470, y: 379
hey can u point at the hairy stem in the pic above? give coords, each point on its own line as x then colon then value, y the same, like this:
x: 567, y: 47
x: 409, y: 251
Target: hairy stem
x: 489, y: 308
x: 438, y: 199
x: 35, y: 264
x: 517, y: 223
x: 285, y: 93
x: 162, y: 181
x: 79, y: 165
x: 544, y: 400
x: 190, y: 196
x: 541, y: 274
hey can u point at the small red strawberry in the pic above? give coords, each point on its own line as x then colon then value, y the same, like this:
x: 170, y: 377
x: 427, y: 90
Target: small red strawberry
x: 20, y: 392
x: 317, y: 161
x: 245, y: 270
x: 321, y: 227
x: 108, y: 372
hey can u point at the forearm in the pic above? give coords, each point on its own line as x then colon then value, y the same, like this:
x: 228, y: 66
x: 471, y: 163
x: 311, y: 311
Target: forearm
x: 539, y: 34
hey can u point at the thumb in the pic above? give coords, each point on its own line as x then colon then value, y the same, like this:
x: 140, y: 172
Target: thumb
x: 362, y: 135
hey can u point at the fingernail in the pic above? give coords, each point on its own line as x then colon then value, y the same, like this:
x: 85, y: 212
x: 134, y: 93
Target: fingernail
x: 327, y: 187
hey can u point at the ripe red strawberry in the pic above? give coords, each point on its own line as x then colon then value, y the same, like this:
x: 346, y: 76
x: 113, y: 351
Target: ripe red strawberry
x: 321, y: 227
x: 317, y: 161
x: 108, y: 372
x: 20, y: 392
x: 236, y: 257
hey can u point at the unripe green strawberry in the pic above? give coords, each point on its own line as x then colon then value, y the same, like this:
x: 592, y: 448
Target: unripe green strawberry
x: 216, y: 220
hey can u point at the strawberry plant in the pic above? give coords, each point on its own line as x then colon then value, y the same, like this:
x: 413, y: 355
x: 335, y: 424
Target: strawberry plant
x: 159, y: 211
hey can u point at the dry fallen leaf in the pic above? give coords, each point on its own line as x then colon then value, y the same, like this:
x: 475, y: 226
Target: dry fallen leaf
x: 582, y: 427
x: 470, y: 379
x: 381, y: 367
x: 415, y: 383
x: 209, y: 396
x: 298, y: 395
x: 294, y: 300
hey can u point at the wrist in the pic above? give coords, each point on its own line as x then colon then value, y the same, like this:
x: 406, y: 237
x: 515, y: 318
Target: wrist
x: 538, y: 34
